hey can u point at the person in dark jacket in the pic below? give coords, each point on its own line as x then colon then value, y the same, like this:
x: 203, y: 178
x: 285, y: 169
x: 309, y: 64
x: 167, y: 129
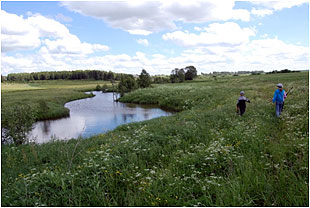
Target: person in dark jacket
x: 241, y: 104
x: 278, y: 98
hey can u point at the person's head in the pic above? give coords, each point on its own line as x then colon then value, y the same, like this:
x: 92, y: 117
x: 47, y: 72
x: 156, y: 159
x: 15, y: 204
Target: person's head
x: 280, y: 86
x: 242, y: 93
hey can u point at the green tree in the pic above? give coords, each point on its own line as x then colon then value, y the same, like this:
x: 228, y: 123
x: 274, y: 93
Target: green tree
x: 144, y: 79
x: 191, y: 72
x: 16, y: 123
x: 126, y: 84
x: 177, y: 75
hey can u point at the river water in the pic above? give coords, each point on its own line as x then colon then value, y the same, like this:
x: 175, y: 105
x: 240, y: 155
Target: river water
x: 93, y: 116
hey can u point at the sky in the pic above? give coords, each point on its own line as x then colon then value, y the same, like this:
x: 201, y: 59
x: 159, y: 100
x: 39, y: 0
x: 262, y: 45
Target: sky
x: 158, y: 36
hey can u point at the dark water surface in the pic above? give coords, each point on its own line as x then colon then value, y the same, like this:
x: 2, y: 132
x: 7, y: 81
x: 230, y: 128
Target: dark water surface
x: 93, y: 116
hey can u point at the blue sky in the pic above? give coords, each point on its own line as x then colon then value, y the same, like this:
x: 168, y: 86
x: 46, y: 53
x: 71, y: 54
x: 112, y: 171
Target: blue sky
x: 155, y: 35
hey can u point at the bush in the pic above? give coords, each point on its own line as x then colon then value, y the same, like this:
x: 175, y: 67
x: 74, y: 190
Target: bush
x: 16, y: 123
x: 104, y: 88
x: 98, y: 88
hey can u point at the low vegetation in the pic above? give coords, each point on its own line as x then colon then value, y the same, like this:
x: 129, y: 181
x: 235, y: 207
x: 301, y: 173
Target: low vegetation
x: 205, y: 155
x: 24, y: 103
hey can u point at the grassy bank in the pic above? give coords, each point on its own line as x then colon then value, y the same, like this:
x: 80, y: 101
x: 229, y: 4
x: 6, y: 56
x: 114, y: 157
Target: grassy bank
x: 204, y: 155
x: 47, y: 98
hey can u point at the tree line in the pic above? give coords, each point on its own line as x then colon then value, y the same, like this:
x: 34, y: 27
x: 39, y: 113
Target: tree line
x: 68, y: 75
x: 282, y: 71
x: 177, y: 75
x: 129, y: 83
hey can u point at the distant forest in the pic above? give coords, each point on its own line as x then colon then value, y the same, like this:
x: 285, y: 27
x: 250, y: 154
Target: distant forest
x: 177, y: 75
x: 69, y: 75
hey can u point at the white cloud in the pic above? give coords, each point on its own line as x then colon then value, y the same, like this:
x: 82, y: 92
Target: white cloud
x: 71, y: 44
x: 264, y: 36
x: 47, y: 27
x: 19, y: 33
x: 279, y: 5
x: 263, y: 54
x: 220, y: 46
x: 139, y: 32
x: 261, y: 12
x: 146, y: 17
x: 198, y: 28
x: 228, y: 33
x: 144, y: 42
x: 63, y: 18
x: 10, y: 64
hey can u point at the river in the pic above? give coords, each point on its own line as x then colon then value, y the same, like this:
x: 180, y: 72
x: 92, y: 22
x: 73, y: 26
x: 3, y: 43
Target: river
x: 93, y: 116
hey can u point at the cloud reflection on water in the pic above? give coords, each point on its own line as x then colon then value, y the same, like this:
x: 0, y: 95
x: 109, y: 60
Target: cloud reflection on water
x: 92, y: 116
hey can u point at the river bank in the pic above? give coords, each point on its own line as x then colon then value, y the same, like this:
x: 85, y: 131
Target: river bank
x: 91, y: 116
x: 48, y: 97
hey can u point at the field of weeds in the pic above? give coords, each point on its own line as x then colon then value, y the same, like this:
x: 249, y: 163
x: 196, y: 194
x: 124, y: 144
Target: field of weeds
x: 204, y: 155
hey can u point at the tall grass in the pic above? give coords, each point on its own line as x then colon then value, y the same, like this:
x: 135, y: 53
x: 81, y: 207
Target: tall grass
x: 205, y: 155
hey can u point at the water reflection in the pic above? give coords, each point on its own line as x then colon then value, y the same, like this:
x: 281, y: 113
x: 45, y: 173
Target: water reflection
x: 92, y: 116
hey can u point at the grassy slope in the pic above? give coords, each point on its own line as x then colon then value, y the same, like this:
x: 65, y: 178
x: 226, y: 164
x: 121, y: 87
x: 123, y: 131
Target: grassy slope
x: 54, y: 93
x: 205, y: 155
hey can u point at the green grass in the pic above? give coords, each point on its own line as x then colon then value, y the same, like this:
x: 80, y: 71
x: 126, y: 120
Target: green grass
x: 54, y: 94
x: 205, y: 155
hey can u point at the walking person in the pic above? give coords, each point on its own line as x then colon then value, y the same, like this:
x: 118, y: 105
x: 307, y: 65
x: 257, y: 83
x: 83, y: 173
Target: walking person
x: 241, y: 104
x: 284, y: 97
x: 278, y: 98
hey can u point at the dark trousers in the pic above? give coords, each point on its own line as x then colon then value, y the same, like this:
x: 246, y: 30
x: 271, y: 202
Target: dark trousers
x: 241, y: 110
x: 279, y: 107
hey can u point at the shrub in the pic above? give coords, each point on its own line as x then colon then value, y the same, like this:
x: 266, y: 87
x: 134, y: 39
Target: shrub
x: 16, y: 123
x: 98, y: 88
x: 104, y: 88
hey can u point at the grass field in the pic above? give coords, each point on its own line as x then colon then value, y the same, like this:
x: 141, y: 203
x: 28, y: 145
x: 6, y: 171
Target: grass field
x: 205, y: 155
x: 53, y: 93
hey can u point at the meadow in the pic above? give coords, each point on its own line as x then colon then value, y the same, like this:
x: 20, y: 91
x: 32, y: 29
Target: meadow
x: 204, y: 155
x: 47, y: 97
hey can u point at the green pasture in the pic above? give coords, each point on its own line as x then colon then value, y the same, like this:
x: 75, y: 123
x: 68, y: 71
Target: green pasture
x: 204, y: 155
x: 52, y: 93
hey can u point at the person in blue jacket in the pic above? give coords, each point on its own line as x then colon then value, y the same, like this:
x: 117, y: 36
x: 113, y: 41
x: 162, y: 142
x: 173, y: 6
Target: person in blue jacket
x: 278, y: 98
